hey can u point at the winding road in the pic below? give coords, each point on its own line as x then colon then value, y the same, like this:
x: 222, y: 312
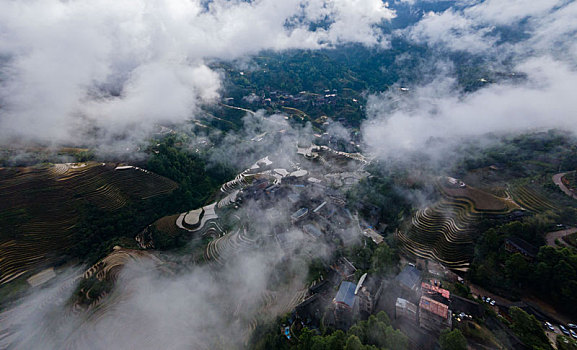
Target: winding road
x: 239, y: 108
x: 552, y: 236
x: 557, y: 179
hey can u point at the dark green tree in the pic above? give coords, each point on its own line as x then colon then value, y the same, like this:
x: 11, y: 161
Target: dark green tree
x: 395, y: 339
x: 384, y: 259
x: 528, y: 329
x: 518, y: 269
x: 384, y: 318
x: 452, y: 340
x: 376, y: 332
x: 354, y: 343
x: 357, y: 330
x: 566, y: 343
x: 306, y: 339
x: 336, y: 340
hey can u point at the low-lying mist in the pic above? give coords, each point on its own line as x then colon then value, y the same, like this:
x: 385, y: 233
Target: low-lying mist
x: 203, y: 306
x: 107, y: 73
x: 513, y: 40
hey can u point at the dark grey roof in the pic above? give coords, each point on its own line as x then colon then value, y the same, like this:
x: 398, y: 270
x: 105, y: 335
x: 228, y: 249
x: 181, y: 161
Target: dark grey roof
x: 300, y: 213
x: 307, y: 301
x: 346, y: 294
x: 410, y: 277
x: 319, y: 287
x: 312, y: 230
x: 523, y: 246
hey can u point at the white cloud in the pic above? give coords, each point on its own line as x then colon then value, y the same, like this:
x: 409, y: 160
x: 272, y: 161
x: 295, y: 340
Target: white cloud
x: 441, y: 112
x: 452, y: 30
x: 507, y: 12
x: 60, y: 56
x: 471, y: 26
x: 556, y: 32
x: 163, y: 305
x: 438, y: 111
x: 144, y: 99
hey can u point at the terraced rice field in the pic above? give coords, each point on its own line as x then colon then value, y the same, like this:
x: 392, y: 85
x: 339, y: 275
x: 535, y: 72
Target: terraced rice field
x: 40, y: 207
x: 108, y: 269
x: 89, y: 305
x: 531, y: 199
x: 218, y: 250
x: 223, y: 250
x: 445, y: 231
x: 272, y: 303
x: 167, y: 225
x: 480, y: 201
x: 235, y: 184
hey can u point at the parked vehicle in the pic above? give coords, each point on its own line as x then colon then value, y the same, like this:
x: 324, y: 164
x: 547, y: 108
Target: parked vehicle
x: 564, y: 330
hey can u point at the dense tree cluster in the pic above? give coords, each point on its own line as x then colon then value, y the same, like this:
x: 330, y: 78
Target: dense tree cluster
x: 566, y: 343
x: 524, y: 155
x: 374, y: 333
x: 350, y: 71
x: 452, y: 340
x: 196, y: 181
x: 99, y: 230
x: 552, y: 274
x: 555, y: 276
x: 378, y: 198
x: 529, y: 329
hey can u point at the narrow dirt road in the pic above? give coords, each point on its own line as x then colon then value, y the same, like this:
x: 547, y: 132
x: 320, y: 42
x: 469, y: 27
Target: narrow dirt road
x: 239, y: 108
x: 542, y: 306
x: 558, y: 182
x: 552, y: 236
